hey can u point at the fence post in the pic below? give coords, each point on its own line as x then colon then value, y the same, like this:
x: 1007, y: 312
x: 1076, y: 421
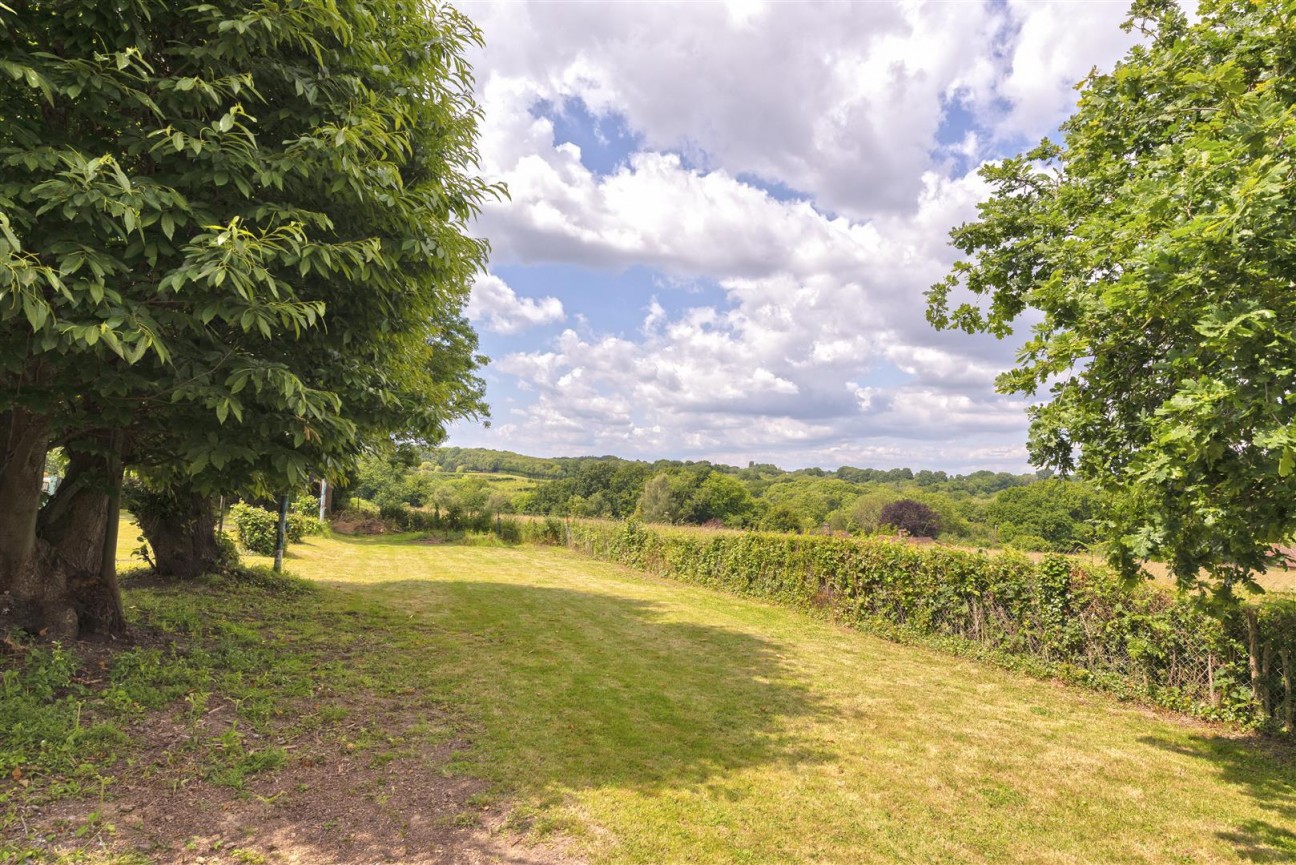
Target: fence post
x: 1285, y: 654
x: 281, y: 540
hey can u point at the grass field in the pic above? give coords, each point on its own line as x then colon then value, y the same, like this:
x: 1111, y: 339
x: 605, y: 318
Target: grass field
x: 641, y: 721
x: 666, y: 723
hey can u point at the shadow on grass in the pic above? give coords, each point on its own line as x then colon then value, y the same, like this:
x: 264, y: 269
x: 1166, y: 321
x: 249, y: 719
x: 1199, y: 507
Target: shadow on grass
x: 569, y: 689
x: 1265, y: 770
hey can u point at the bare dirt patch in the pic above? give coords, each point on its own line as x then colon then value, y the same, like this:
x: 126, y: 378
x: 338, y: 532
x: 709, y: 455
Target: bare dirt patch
x: 327, y: 807
x: 351, y: 525
x: 370, y: 783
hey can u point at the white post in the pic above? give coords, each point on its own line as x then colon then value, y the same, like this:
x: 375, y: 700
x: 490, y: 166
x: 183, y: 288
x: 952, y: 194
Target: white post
x: 323, y: 497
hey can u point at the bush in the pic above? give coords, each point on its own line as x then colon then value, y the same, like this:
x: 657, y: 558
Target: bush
x: 257, y: 528
x: 508, y: 530
x: 1054, y: 617
x: 912, y: 518
x: 229, y: 556
x: 549, y: 530
x: 300, y: 526
x: 1030, y: 543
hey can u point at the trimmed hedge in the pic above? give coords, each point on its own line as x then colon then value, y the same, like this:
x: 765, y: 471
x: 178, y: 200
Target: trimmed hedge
x: 1053, y: 617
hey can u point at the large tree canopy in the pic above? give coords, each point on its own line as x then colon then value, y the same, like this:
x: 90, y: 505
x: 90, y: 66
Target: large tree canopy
x: 233, y: 248
x: 1156, y: 241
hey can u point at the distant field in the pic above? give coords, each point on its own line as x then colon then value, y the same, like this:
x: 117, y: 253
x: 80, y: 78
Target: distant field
x: 499, y: 482
x: 1276, y: 580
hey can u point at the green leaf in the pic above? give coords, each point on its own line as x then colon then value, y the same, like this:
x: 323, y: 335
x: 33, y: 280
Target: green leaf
x: 36, y: 310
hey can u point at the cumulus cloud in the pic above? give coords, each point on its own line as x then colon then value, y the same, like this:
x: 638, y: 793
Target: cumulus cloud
x: 819, y: 351
x: 846, y: 110
x: 1053, y: 47
x: 496, y: 307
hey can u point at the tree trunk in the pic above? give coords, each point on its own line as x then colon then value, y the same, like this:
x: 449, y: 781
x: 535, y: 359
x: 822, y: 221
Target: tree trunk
x: 1256, y: 660
x: 77, y: 536
x: 29, y: 599
x: 183, y: 536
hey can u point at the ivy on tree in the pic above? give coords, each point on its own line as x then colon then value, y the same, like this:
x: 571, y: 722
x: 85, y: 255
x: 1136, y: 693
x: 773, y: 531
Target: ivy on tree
x: 233, y: 250
x: 1156, y: 241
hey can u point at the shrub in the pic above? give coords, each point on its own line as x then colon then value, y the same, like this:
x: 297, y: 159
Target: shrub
x: 912, y: 518
x: 549, y: 530
x: 229, y: 556
x: 1029, y: 543
x: 257, y: 528
x: 300, y: 526
x: 306, y: 505
x: 395, y: 513
x: 508, y: 530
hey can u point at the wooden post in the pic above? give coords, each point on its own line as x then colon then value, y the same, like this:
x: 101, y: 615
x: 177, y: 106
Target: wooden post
x: 281, y: 540
x: 1285, y: 654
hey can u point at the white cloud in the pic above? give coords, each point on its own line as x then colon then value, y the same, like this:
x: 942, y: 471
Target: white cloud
x: 820, y: 351
x: 1055, y: 46
x: 840, y: 100
x: 496, y: 307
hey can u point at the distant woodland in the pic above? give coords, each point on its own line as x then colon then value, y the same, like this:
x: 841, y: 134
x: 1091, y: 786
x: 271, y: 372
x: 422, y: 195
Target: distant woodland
x: 984, y: 508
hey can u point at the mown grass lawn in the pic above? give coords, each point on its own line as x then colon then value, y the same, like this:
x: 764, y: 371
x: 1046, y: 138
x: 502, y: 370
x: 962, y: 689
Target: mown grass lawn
x: 657, y: 722
x: 644, y: 721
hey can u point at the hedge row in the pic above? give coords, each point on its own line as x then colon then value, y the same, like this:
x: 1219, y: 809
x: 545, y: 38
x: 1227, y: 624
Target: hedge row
x: 1058, y: 617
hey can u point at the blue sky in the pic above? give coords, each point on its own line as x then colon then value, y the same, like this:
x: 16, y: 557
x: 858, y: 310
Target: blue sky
x: 723, y: 217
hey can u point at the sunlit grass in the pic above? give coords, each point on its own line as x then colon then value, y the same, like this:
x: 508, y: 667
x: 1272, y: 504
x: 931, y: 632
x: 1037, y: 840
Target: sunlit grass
x: 662, y: 723
x: 652, y: 722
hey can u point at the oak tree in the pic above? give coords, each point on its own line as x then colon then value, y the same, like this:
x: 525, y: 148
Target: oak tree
x: 1155, y: 243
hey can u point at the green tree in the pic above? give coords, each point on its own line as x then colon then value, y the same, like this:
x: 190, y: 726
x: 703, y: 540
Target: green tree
x: 659, y: 502
x: 1058, y: 511
x: 1156, y: 242
x: 866, y: 511
x: 233, y: 248
x: 721, y: 497
x: 781, y: 518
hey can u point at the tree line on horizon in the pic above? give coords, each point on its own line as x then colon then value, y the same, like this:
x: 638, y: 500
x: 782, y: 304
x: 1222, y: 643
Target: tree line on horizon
x: 1028, y: 511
